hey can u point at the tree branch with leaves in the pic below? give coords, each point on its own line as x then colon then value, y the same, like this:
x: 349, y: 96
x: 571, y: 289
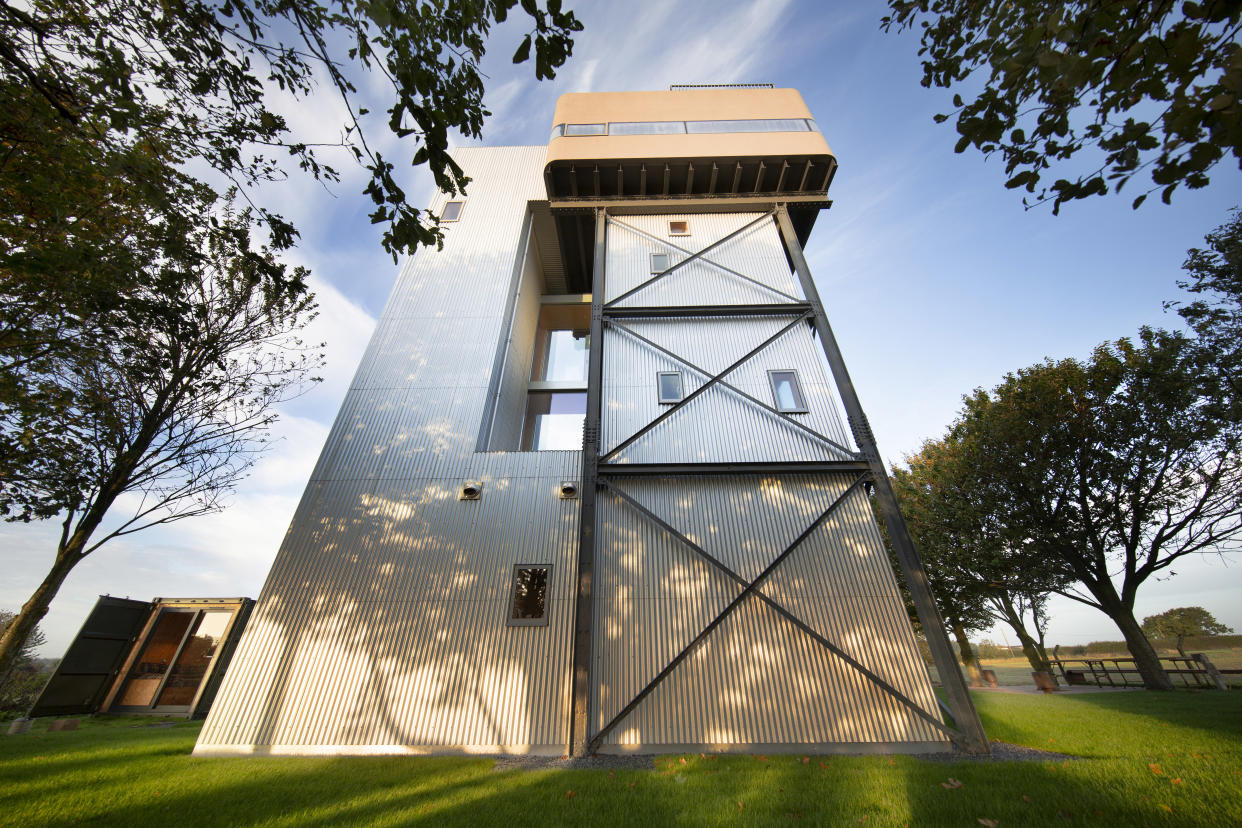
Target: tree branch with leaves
x: 1133, y: 88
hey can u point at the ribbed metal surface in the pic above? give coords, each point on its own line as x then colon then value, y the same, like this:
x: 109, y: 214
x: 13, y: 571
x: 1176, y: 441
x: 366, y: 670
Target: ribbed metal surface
x: 719, y: 425
x: 756, y: 253
x: 757, y: 680
x: 381, y: 627
x: 506, y: 425
x: 382, y: 624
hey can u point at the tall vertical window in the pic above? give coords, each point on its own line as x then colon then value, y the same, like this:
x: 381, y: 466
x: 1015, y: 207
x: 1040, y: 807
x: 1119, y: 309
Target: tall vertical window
x: 562, y: 343
x: 554, y: 421
x: 556, y: 401
x: 787, y: 392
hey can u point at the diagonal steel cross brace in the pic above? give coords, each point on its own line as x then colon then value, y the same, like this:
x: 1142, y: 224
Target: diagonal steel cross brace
x: 774, y: 605
x: 702, y: 388
x: 694, y: 257
x: 754, y: 400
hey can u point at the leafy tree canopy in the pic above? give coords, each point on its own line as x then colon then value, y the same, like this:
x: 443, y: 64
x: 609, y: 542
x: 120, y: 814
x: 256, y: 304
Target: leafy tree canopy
x: 1116, y: 467
x: 207, y: 80
x: 1187, y: 621
x: 1155, y: 87
x: 1215, y: 277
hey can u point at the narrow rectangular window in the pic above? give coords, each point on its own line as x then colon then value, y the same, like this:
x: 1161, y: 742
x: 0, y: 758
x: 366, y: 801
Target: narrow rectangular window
x: 451, y: 211
x: 586, y: 129
x: 659, y: 262
x: 787, y: 392
x: 679, y: 228
x: 528, y: 597
x: 669, y: 385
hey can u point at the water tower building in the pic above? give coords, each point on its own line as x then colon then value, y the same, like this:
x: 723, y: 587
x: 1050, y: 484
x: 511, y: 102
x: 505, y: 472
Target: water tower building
x: 601, y: 482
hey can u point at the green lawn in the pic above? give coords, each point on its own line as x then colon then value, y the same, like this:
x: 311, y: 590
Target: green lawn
x: 1148, y: 759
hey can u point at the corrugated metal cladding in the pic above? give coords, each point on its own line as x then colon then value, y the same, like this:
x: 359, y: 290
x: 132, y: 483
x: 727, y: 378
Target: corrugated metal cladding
x: 757, y: 681
x: 381, y: 627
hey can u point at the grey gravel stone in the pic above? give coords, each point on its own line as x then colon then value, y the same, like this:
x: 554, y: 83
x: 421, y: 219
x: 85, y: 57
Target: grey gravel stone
x: 1001, y: 752
x: 629, y: 761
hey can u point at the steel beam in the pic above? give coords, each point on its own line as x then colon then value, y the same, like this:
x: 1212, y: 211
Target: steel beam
x: 655, y: 311
x: 584, y: 605
x: 965, y: 717
x: 611, y: 470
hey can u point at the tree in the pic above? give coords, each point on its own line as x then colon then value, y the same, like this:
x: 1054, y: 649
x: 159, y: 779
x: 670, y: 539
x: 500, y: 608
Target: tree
x: 1216, y: 276
x: 20, y: 686
x: 1153, y: 87
x: 206, y: 79
x: 1183, y: 622
x: 960, y: 535
x: 165, y: 413
x: 1116, y: 468
x: 143, y: 338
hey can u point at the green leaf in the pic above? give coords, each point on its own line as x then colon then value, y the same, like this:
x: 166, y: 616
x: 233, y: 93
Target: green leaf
x: 523, y: 51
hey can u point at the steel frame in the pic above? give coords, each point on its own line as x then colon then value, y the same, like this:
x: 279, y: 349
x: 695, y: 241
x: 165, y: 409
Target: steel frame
x: 598, y: 474
x: 970, y: 730
x: 752, y: 588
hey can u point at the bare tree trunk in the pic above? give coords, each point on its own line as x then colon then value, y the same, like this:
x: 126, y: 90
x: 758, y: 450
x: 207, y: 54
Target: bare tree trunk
x: 69, y: 553
x: 1146, y: 659
x: 969, y: 661
x: 15, y: 634
x: 1030, y: 647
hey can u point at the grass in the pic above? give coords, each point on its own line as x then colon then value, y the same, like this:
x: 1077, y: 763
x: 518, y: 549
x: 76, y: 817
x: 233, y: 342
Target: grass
x: 1148, y: 759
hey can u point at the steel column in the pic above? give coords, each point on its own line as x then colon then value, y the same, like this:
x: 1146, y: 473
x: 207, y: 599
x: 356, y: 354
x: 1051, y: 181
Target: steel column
x: 965, y: 717
x: 584, y: 610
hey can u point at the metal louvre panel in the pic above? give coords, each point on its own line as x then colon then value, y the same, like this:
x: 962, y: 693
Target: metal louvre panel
x: 719, y: 425
x: 756, y: 253
x: 756, y: 679
x: 381, y: 627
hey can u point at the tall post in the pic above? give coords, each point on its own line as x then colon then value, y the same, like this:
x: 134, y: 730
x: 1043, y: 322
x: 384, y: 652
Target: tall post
x: 584, y: 610
x: 972, y: 738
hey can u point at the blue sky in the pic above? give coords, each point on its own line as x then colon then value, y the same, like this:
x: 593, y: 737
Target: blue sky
x: 935, y: 278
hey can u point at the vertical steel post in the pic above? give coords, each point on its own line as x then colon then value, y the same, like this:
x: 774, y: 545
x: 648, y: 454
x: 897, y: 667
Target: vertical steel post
x: 584, y: 611
x: 973, y: 739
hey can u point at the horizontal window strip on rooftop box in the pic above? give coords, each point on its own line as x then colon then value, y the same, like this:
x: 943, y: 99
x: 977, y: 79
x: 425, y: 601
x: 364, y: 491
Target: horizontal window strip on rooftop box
x: 684, y: 127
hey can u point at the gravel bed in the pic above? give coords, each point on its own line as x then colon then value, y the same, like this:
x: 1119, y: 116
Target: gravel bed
x: 1001, y: 752
x: 601, y: 761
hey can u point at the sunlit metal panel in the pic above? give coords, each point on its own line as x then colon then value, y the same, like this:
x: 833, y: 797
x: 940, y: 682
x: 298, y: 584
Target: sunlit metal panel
x: 381, y: 628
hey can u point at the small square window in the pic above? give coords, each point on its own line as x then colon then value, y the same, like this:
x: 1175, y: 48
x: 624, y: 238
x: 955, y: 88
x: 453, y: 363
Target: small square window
x: 451, y: 211
x: 668, y: 383
x: 659, y: 262
x: 679, y: 228
x: 528, y: 597
x: 787, y: 392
